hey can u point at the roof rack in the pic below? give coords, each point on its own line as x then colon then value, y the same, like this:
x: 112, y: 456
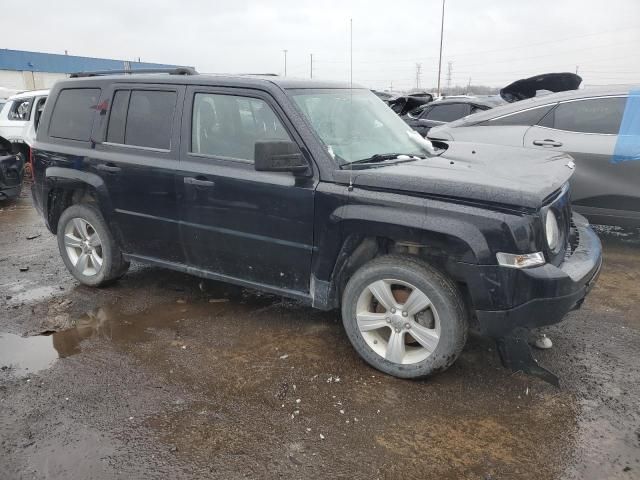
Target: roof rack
x: 170, y: 71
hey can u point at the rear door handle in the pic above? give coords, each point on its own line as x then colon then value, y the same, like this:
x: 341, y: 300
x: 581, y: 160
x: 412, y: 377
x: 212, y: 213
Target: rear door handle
x: 547, y: 143
x: 198, y: 182
x: 108, y: 168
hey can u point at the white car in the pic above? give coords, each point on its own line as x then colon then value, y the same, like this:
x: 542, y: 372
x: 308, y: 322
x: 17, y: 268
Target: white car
x: 19, y: 118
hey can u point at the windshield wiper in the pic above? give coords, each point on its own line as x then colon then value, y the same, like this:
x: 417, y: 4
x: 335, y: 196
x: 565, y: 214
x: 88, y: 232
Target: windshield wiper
x: 384, y: 157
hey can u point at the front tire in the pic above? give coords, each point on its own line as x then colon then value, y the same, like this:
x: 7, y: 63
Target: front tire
x: 404, y: 317
x: 87, y: 247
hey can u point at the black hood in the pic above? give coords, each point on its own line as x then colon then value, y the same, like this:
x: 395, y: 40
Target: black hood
x: 527, y: 87
x: 494, y: 174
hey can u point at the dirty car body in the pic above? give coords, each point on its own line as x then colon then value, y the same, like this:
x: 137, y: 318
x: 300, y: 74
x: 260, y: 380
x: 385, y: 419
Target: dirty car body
x: 290, y: 187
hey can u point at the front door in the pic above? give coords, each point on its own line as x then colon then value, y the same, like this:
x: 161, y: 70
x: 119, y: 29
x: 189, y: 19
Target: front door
x: 137, y: 157
x: 236, y: 222
x: 601, y: 188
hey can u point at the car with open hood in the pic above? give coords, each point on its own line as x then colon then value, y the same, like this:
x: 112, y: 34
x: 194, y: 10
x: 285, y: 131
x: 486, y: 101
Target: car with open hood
x: 318, y: 192
x: 598, y: 126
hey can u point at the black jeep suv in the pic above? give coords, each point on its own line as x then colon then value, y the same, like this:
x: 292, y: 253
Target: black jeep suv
x: 319, y: 192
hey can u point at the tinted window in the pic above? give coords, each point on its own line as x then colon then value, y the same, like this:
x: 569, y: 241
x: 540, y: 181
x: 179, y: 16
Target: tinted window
x: 229, y: 126
x: 526, y: 118
x: 448, y: 113
x: 72, y: 116
x: 599, y: 115
x: 118, y: 117
x: 149, y: 119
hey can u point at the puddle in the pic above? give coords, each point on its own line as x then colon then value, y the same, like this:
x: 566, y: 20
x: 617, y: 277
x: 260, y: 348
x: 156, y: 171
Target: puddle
x: 21, y: 356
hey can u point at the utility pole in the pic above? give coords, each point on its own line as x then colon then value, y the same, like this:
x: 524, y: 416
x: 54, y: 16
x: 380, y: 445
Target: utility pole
x: 469, y: 86
x: 311, y: 71
x: 449, y: 67
x: 418, y: 67
x: 391, y: 86
x: 285, y: 62
x: 577, y: 66
x: 441, y: 36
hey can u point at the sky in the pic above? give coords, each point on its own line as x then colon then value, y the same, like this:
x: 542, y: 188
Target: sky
x: 488, y: 42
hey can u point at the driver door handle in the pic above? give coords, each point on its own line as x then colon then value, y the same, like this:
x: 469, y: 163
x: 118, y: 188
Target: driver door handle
x: 110, y: 168
x: 198, y: 182
x: 547, y: 143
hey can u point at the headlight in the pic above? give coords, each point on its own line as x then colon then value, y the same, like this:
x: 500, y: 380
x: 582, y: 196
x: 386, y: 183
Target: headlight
x: 552, y: 231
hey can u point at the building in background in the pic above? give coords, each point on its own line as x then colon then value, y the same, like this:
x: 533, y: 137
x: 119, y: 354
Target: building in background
x: 21, y: 70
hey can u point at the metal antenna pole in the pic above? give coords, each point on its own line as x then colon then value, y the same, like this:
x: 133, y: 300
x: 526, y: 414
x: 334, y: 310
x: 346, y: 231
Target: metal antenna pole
x: 285, y: 62
x: 351, y: 52
x: 441, y: 35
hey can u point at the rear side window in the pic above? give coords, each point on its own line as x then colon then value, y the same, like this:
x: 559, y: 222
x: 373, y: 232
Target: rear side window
x: 525, y: 118
x: 142, y: 118
x: 229, y: 126
x: 597, y: 115
x: 20, y: 109
x: 448, y: 113
x: 72, y: 116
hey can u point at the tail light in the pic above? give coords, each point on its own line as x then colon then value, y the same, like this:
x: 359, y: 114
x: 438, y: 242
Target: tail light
x: 33, y: 172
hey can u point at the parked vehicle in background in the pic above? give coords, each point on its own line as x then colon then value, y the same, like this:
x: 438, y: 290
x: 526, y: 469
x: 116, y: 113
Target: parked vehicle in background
x: 19, y: 119
x: 439, y: 112
x: 315, y: 191
x: 11, y: 171
x: 405, y: 103
x: 599, y: 127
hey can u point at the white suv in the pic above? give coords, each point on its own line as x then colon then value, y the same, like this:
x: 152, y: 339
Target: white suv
x: 19, y: 118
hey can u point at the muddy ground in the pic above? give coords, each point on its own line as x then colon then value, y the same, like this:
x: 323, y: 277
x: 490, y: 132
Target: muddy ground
x: 165, y: 376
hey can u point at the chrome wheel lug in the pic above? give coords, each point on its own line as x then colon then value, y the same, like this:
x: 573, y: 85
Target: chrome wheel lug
x: 404, y: 314
x: 393, y: 310
x: 407, y: 326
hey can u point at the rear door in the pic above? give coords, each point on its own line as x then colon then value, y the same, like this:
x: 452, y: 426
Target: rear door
x: 237, y: 222
x: 137, y: 158
x: 587, y: 129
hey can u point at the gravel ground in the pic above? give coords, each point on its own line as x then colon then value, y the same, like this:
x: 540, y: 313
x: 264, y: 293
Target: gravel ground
x: 166, y: 376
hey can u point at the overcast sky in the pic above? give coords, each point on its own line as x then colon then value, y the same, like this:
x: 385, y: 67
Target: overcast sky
x: 493, y: 42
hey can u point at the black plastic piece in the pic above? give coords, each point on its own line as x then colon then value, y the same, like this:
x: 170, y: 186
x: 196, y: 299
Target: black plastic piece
x: 170, y: 71
x: 516, y: 355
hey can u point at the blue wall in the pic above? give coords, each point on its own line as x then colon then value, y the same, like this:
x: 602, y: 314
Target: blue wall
x: 54, y: 63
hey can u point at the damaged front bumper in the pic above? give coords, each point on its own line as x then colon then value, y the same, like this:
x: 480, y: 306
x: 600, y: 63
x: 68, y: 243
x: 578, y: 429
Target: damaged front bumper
x: 550, y: 293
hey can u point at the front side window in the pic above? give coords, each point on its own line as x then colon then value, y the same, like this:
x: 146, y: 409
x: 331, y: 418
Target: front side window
x: 525, y: 118
x: 229, y: 126
x: 73, y: 113
x: 355, y: 124
x: 449, y: 112
x: 20, y: 109
x: 597, y: 115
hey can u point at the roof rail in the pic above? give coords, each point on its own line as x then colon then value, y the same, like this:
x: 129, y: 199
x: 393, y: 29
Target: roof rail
x: 170, y: 71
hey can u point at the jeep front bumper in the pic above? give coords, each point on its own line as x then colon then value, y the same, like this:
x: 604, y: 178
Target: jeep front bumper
x: 544, y: 295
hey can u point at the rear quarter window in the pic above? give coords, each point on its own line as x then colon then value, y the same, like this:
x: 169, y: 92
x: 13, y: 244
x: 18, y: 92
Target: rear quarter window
x: 524, y: 118
x: 72, y: 116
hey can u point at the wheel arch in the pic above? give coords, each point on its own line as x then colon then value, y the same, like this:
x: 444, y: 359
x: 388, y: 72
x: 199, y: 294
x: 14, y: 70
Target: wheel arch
x: 66, y: 187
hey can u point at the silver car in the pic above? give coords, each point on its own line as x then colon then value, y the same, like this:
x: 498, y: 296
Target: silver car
x: 599, y: 127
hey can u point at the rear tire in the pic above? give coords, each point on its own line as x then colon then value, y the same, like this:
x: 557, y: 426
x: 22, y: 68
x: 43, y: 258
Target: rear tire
x: 404, y: 317
x: 88, y: 248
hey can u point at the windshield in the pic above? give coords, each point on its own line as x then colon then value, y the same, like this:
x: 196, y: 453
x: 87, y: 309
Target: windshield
x: 354, y: 124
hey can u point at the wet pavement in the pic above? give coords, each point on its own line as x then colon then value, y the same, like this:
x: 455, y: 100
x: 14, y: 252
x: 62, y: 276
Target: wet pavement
x: 166, y: 376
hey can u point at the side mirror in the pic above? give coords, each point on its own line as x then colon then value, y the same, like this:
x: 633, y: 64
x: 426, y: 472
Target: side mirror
x: 279, y: 156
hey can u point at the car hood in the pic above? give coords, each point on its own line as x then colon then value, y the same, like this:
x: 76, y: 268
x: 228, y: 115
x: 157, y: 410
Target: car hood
x: 510, y: 176
x: 527, y: 87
